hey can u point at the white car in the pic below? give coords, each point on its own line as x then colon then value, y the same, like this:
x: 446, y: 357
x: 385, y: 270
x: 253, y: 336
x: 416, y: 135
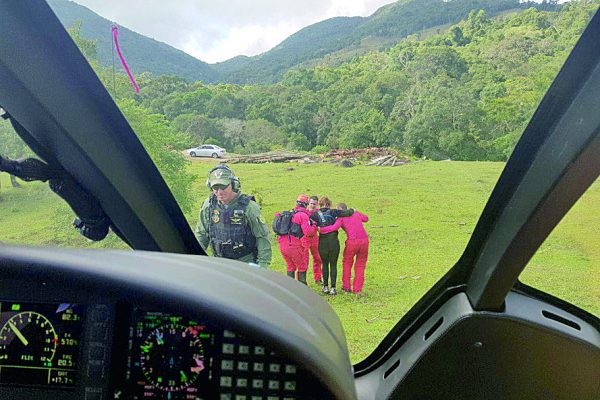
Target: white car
x: 207, y: 150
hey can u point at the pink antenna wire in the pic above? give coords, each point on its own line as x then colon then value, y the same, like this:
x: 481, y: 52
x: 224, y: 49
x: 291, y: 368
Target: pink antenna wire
x: 115, y: 34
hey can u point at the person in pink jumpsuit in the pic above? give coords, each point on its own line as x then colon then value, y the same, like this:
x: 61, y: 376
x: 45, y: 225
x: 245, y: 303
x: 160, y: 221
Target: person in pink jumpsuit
x: 294, y: 252
x: 312, y: 243
x: 356, y: 250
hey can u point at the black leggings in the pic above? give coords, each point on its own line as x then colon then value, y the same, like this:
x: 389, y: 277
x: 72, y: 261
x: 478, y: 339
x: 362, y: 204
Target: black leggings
x: 329, y: 250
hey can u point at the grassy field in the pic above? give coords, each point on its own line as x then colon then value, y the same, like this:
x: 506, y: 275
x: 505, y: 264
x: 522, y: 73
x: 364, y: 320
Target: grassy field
x: 421, y: 218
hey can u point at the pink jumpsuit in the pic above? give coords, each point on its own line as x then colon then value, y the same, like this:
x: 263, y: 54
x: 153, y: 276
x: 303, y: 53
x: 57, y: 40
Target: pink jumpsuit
x: 292, y: 249
x: 357, y: 245
x: 312, y: 244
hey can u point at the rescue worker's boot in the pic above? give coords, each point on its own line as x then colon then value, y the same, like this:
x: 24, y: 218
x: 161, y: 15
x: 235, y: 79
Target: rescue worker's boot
x: 292, y: 274
x: 302, y: 277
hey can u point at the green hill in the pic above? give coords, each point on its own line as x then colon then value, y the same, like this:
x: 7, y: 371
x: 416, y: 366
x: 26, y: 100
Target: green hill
x: 312, y: 42
x: 338, y: 39
x: 331, y: 41
x: 143, y: 54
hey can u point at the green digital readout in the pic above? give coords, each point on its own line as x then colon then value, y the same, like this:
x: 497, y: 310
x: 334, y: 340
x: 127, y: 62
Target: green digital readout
x: 39, y: 343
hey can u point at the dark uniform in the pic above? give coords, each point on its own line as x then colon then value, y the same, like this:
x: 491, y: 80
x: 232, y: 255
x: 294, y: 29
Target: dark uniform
x: 236, y: 230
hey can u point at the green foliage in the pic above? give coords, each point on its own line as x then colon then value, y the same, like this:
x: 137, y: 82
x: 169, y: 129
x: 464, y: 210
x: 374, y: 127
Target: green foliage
x: 164, y: 144
x: 11, y: 145
x: 189, y: 102
x: 431, y: 61
x: 361, y: 127
x: 333, y: 40
x: 143, y: 54
x: 199, y: 129
x: 320, y: 149
x: 389, y: 24
x: 298, y: 141
x: 464, y: 94
x: 260, y: 135
x: 88, y: 47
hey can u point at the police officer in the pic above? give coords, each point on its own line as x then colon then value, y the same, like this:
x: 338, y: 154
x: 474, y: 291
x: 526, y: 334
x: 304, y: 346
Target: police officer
x: 230, y: 223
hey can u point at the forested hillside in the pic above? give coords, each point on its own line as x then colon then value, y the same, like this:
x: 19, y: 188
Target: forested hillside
x: 143, y: 54
x: 466, y: 94
x: 334, y: 40
x: 389, y: 24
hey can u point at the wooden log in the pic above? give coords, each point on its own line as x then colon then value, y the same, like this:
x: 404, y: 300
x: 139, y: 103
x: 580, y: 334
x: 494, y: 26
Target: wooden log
x: 378, y: 160
x: 261, y: 158
x: 388, y: 161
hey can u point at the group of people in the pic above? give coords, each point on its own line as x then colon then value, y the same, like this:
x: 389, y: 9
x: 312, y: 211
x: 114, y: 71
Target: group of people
x: 314, y: 229
x: 231, y: 226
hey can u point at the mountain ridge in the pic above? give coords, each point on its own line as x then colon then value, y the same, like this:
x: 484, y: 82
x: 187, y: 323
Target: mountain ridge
x: 337, y: 39
x: 143, y: 54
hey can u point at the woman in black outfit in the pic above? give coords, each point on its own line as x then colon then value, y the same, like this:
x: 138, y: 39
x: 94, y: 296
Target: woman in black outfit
x: 329, y: 244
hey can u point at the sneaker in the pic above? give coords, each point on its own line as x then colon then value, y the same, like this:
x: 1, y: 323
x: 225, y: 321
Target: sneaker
x: 333, y: 292
x: 326, y: 289
x: 346, y: 290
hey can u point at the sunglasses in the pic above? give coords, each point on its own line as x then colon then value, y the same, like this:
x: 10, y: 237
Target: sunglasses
x: 219, y: 187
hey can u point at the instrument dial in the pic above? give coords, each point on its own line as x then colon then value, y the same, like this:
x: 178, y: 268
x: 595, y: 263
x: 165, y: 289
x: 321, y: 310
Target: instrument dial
x: 28, y: 339
x: 172, y: 357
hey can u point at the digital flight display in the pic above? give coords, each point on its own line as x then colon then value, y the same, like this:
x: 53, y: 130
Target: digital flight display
x: 168, y: 358
x: 39, y: 343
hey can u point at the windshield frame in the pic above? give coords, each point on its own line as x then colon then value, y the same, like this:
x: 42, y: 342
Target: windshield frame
x: 565, y: 120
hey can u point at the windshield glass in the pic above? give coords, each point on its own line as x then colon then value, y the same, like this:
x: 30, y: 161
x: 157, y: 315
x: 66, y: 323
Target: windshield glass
x: 406, y: 115
x: 567, y: 264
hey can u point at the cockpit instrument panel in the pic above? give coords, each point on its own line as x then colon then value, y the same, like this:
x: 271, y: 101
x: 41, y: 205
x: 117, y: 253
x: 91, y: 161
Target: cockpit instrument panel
x: 40, y: 343
x: 173, y: 357
x: 167, y: 357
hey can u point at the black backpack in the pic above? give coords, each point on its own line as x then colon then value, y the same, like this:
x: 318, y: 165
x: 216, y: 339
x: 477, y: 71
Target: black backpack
x: 283, y: 225
x: 323, y: 218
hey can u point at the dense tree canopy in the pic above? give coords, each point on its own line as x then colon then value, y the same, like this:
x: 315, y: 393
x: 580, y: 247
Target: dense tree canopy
x: 161, y: 140
x: 464, y: 94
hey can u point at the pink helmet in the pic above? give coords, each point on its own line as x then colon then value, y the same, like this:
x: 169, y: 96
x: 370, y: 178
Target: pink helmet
x: 302, y: 198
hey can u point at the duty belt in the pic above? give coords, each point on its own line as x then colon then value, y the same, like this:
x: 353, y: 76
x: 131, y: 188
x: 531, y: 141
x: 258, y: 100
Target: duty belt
x: 231, y: 250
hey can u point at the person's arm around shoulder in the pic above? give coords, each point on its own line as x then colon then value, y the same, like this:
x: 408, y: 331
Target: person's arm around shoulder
x: 344, y: 213
x: 202, y: 226
x: 262, y: 233
x: 336, y: 225
x: 363, y: 217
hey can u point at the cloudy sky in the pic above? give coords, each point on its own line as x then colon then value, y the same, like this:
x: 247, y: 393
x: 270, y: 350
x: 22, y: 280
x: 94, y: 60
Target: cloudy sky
x: 215, y: 31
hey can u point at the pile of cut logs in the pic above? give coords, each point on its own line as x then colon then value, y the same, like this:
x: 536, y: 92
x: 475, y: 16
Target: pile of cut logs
x: 337, y: 156
x: 360, y: 153
x: 278, y: 156
x: 390, y: 161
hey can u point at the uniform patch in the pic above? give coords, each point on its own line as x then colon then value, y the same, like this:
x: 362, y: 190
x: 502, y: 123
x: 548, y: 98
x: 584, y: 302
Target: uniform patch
x: 215, y: 217
x: 237, y: 217
x: 218, y: 173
